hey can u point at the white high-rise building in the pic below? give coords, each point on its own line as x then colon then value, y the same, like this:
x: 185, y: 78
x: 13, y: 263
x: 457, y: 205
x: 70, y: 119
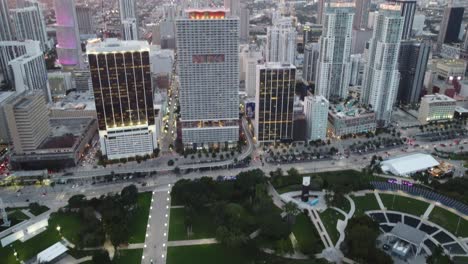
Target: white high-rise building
x: 335, y: 50
x: 123, y: 94
x: 208, y: 64
x: 381, y: 77
x: 357, y: 69
x: 311, y: 57
x: 30, y: 73
x: 316, y: 112
x: 68, y: 36
x: 129, y: 29
x: 29, y: 24
x: 233, y: 7
x: 5, y: 28
x: 10, y: 50
x: 281, y: 44
x: 244, y: 23
x: 129, y: 19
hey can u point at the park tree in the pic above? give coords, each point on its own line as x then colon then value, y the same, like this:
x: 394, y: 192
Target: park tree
x: 293, y: 172
x: 101, y: 256
x: 77, y: 201
x: 291, y: 211
x: 129, y: 195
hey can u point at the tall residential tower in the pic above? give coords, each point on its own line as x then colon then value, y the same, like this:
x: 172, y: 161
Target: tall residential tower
x: 381, y: 75
x: 335, y: 51
x: 208, y: 64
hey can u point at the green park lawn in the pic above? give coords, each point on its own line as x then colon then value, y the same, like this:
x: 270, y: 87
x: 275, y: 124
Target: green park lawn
x: 450, y: 221
x: 365, y: 203
x: 289, y: 188
x: 18, y: 215
x: 404, y: 204
x: 306, y: 235
x: 217, y: 253
x: 330, y: 218
x: 70, y: 228
x: 39, y: 210
x: 202, y: 225
x: 139, y: 220
x: 128, y: 256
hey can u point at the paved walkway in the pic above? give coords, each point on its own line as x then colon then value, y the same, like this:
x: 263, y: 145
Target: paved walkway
x: 428, y: 211
x: 26, y: 212
x: 204, y: 241
x: 155, y: 246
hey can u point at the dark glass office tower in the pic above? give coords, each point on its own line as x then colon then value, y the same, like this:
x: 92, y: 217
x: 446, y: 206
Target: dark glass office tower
x: 450, y: 26
x: 274, y: 99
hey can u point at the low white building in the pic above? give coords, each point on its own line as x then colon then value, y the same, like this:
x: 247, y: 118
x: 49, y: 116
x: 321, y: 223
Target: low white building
x: 436, y: 107
x: 316, y: 112
x: 409, y: 164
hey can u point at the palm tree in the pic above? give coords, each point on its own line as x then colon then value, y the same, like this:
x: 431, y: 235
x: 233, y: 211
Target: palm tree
x: 291, y: 211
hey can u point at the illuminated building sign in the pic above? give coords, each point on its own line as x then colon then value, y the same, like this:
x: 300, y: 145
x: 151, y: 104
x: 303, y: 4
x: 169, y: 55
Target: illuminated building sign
x: 206, y: 14
x: 205, y: 58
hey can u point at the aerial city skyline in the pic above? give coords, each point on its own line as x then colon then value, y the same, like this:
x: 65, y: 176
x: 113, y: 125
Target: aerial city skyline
x: 233, y: 131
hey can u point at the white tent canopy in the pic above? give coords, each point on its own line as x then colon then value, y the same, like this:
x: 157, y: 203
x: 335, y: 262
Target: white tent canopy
x: 51, y: 253
x: 405, y: 165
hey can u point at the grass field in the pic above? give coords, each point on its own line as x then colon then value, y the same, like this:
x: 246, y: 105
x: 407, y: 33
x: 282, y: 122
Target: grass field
x: 70, y: 225
x: 330, y: 218
x: 404, y: 204
x: 202, y: 225
x: 306, y: 235
x: 39, y: 210
x: 216, y: 254
x: 365, y: 203
x: 138, y: 222
x: 128, y: 256
x: 450, y: 221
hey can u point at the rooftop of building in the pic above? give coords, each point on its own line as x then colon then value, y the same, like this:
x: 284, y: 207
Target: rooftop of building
x: 66, y: 132
x: 350, y: 108
x: 75, y: 101
x: 116, y: 45
x: 451, y: 62
x: 317, y: 98
x: 437, y: 98
x: 276, y: 65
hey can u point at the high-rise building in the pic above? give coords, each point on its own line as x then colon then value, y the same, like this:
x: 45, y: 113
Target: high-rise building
x: 311, y: 57
x: 320, y: 10
x: 281, y: 44
x: 85, y: 20
x: 381, y: 77
x: 244, y: 23
x: 27, y: 117
x: 30, y: 73
x: 10, y: 50
x: 316, y: 112
x: 250, y: 63
x: 362, y: 14
x: 129, y: 29
x: 335, y: 50
x: 5, y: 30
x: 68, y: 36
x: 5, y: 97
x: 311, y: 33
x: 121, y: 77
x: 128, y: 10
x: 360, y: 38
x: 357, y: 69
x: 408, y: 9
x: 274, y: 102
x: 450, y: 25
x: 232, y: 6
x: 208, y: 64
x: 29, y: 24
x: 412, y: 64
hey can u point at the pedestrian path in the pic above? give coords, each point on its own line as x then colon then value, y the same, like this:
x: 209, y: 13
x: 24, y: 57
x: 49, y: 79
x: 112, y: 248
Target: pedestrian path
x: 194, y: 242
x: 26, y: 212
x: 428, y: 211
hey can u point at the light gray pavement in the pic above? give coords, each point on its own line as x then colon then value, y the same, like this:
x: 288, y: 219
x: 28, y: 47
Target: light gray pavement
x: 155, y: 246
x: 194, y: 242
x: 428, y: 210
